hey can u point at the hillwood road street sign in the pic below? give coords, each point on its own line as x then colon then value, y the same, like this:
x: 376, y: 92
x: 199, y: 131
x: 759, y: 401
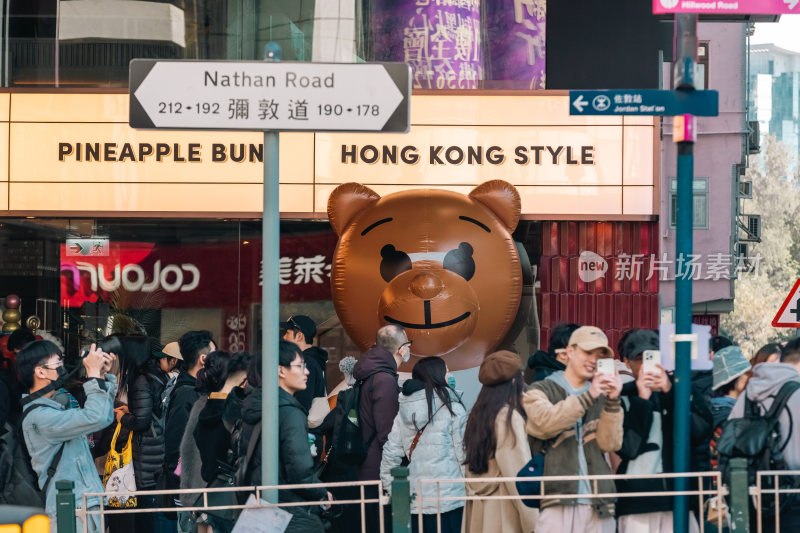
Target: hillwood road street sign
x: 259, y: 95
x: 644, y: 102
x: 729, y: 7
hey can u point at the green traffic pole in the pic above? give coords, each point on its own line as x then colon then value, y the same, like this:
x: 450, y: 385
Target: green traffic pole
x: 401, y: 500
x: 270, y: 305
x: 65, y: 507
x: 683, y: 325
x: 739, y: 495
x: 685, y: 61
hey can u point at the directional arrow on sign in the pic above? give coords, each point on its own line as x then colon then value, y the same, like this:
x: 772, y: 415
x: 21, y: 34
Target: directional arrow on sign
x: 258, y: 95
x: 643, y: 102
x: 580, y: 103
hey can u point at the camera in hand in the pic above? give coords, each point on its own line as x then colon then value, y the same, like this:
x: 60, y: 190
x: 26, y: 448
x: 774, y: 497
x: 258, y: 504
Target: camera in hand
x: 110, y: 345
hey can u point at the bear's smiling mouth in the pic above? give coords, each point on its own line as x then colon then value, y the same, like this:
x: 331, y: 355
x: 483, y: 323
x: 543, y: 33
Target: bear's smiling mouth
x: 428, y: 324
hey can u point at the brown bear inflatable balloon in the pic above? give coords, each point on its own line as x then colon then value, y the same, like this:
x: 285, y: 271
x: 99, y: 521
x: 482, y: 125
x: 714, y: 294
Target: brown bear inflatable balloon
x: 440, y: 264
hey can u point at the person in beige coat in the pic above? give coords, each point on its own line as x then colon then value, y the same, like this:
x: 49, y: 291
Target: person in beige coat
x: 496, y: 445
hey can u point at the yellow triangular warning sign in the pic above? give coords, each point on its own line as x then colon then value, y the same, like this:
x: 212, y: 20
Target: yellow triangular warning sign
x: 789, y: 314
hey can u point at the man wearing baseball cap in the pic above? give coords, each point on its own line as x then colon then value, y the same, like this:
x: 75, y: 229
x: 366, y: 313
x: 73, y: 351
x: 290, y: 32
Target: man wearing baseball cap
x: 574, y: 422
x: 301, y: 330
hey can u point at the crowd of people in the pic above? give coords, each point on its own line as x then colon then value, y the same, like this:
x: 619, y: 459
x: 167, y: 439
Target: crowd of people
x: 191, y: 415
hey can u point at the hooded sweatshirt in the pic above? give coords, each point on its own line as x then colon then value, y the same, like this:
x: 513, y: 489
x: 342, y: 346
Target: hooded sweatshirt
x: 767, y: 380
x: 377, y: 405
x: 543, y: 365
x: 316, y: 360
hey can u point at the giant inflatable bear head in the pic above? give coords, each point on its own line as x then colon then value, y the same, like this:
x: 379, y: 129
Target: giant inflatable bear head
x: 440, y: 264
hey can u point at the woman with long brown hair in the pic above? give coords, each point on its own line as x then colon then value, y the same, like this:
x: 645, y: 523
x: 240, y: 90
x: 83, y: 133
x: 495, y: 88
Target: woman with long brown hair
x: 496, y: 445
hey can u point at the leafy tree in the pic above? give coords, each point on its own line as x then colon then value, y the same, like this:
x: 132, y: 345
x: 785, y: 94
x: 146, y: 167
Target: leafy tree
x: 758, y: 297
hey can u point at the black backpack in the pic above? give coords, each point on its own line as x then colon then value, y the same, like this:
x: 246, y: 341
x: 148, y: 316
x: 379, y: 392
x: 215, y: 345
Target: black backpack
x: 757, y: 438
x: 19, y: 484
x: 348, y: 439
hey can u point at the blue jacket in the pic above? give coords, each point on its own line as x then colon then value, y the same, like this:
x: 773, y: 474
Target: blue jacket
x: 46, y: 428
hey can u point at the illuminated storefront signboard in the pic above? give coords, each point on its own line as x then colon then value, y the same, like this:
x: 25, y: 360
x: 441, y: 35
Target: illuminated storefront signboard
x: 76, y: 153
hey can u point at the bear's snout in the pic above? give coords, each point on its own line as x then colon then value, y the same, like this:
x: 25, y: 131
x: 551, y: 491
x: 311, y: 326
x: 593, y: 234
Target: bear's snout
x: 426, y: 286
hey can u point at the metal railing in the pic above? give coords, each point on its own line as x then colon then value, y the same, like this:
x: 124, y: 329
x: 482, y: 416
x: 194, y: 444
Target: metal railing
x: 702, y: 493
x: 203, y: 506
x: 738, y: 497
x: 768, y: 485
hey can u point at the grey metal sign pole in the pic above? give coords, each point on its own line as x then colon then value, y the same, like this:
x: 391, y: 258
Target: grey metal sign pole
x: 270, y: 303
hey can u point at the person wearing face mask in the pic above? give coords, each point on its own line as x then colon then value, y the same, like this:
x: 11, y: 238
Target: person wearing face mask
x: 379, y: 400
x: 56, y: 435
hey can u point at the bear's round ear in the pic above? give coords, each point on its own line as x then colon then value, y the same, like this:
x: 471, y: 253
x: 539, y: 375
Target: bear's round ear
x: 346, y: 201
x: 501, y: 198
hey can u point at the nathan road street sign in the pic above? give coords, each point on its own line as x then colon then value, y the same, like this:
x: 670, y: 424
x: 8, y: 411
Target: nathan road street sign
x: 789, y: 314
x: 644, y: 102
x: 727, y: 7
x: 260, y: 95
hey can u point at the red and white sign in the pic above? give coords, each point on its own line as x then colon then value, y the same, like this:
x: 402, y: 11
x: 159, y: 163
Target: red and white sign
x: 789, y: 314
x: 727, y: 7
x: 226, y: 275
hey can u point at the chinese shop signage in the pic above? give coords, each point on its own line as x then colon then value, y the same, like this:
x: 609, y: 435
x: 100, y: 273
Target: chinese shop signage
x: 147, y: 275
x: 451, y: 44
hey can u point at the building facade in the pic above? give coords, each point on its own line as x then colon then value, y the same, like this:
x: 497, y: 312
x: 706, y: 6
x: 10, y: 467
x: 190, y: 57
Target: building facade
x: 105, y: 228
x: 720, y: 158
x: 775, y: 94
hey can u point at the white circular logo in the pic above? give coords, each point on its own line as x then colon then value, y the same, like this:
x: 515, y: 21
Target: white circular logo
x: 669, y: 4
x: 601, y: 102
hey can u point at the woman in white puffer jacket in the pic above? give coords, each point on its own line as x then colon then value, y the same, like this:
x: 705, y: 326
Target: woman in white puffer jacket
x: 428, y: 404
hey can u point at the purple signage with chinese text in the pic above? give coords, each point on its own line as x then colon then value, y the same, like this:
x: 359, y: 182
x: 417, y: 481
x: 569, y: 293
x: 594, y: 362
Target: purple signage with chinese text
x: 516, y: 36
x: 440, y: 39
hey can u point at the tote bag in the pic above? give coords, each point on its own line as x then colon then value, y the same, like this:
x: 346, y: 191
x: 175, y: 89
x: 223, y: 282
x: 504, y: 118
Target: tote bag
x: 118, y: 474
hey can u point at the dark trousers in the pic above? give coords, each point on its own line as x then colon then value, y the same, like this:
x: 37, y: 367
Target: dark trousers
x: 790, y: 519
x: 372, y: 513
x: 133, y: 522
x: 451, y: 522
x: 350, y: 513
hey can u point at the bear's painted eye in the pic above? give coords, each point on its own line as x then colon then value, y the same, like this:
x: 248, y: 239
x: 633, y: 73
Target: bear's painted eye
x: 460, y: 261
x: 393, y: 262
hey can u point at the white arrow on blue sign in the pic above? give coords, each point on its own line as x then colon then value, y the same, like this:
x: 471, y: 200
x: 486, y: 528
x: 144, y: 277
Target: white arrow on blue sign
x: 644, y: 102
x: 259, y: 95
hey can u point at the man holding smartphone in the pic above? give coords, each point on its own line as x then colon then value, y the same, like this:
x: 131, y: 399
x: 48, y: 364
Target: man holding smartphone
x: 575, y: 417
x: 55, y: 434
x: 647, y: 442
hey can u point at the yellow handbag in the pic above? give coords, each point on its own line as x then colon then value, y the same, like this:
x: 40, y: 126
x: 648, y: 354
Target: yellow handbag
x: 117, y: 461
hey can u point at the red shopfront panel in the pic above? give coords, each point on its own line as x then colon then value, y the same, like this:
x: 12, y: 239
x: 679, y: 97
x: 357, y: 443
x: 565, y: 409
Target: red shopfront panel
x: 616, y: 301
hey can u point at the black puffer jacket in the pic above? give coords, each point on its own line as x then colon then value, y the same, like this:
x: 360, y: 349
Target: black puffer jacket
x: 146, y: 421
x: 180, y: 405
x: 251, y: 416
x: 295, y: 463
